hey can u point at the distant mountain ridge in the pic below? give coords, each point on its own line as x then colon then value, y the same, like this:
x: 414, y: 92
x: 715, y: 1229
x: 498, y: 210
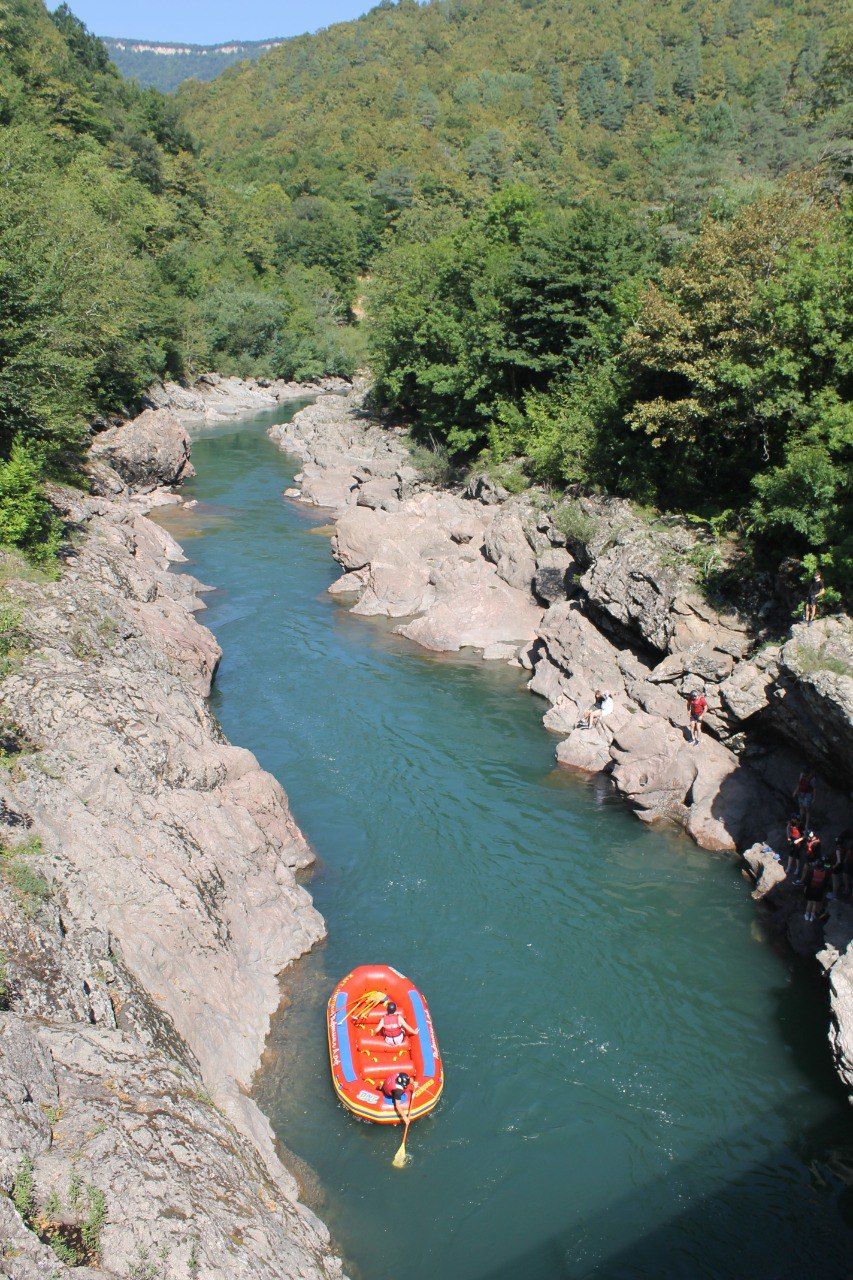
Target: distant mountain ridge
x: 165, y: 64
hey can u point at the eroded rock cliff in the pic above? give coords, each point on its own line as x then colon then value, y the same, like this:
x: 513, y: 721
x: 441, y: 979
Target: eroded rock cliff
x: 148, y: 903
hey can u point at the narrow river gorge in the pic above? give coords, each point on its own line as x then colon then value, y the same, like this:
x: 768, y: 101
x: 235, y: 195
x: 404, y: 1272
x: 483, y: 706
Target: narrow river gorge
x: 638, y: 1081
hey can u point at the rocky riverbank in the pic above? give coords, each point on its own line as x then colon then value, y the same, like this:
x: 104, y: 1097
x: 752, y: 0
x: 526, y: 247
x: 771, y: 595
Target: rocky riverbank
x: 587, y: 593
x: 148, y: 903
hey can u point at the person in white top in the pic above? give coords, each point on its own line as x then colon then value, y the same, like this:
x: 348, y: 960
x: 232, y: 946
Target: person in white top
x: 603, y: 707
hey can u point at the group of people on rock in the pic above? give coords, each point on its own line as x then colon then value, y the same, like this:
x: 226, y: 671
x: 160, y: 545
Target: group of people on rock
x: 822, y: 876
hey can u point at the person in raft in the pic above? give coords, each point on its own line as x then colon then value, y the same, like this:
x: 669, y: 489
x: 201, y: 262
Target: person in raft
x: 817, y: 883
x: 814, y: 590
x: 603, y: 707
x: 395, y: 1085
x: 697, y: 705
x: 393, y: 1026
x: 796, y: 838
x: 804, y: 793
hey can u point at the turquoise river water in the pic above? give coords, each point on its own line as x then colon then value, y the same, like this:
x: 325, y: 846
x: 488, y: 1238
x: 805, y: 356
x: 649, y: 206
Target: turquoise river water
x: 638, y: 1081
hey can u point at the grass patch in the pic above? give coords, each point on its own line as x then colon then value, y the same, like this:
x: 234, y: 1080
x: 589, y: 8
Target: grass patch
x: 13, y: 640
x: 812, y: 661
x: 77, y: 1243
x: 17, y: 567
x: 510, y: 475
x: 30, y: 888
x: 575, y: 524
x: 433, y: 461
x: 147, y: 1268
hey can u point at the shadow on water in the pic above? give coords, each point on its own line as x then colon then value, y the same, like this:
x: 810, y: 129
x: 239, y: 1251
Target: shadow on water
x: 706, y: 1239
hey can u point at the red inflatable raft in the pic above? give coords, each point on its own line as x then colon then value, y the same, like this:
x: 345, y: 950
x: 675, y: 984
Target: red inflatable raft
x: 361, y: 1060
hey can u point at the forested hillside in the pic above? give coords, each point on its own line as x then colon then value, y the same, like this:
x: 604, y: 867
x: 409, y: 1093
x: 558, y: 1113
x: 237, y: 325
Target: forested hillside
x: 651, y: 99
x: 119, y: 263
x: 608, y: 239
x: 157, y: 65
x: 600, y: 243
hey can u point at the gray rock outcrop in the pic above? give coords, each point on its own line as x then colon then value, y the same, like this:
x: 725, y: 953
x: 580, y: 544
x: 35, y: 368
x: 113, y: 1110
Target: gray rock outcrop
x: 830, y: 941
x: 214, y: 398
x: 147, y: 452
x: 141, y: 990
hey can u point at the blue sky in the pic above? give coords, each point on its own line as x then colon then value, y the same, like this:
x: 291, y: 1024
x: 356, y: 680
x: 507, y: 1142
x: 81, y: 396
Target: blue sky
x: 212, y: 21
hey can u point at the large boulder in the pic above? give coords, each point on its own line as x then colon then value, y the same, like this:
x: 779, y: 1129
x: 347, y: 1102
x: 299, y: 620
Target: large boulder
x: 802, y: 691
x: 473, y: 608
x: 149, y: 451
x: 506, y: 545
x: 705, y: 789
x: 812, y: 701
x: 553, y: 578
x: 643, y: 580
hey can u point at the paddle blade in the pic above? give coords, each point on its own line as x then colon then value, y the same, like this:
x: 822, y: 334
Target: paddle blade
x: 401, y: 1159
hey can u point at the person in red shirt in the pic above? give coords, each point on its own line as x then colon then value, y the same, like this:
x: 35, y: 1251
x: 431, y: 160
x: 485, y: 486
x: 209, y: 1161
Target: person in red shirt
x: 697, y: 705
x: 796, y: 843
x: 394, y: 1086
x: 804, y: 793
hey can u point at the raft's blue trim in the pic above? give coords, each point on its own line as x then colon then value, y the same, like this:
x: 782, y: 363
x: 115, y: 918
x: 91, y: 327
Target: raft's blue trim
x: 423, y: 1033
x: 343, y: 1038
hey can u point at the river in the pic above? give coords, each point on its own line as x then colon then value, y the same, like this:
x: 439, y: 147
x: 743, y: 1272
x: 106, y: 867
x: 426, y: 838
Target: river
x: 638, y: 1080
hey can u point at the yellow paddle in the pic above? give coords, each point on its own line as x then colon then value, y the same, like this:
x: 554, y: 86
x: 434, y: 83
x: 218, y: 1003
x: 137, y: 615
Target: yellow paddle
x: 364, y: 1004
x: 401, y: 1158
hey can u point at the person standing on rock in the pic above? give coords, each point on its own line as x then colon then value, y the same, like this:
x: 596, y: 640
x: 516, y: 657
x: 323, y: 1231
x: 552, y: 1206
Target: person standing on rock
x: 817, y: 883
x: 814, y: 590
x: 697, y: 705
x: 796, y: 840
x: 804, y: 793
x: 811, y: 854
x: 603, y: 707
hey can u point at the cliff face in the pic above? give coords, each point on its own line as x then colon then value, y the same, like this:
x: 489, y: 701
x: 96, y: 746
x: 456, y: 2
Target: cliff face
x: 588, y: 596
x: 148, y: 903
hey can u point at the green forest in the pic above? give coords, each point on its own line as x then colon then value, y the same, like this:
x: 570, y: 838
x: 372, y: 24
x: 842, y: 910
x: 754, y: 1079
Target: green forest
x: 604, y: 244
x: 120, y: 262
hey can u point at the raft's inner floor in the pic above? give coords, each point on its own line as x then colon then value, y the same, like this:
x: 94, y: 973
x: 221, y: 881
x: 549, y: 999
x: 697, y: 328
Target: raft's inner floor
x: 638, y: 1083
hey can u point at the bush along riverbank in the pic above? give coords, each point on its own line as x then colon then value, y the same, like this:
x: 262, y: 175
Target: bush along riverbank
x: 148, y: 903
x: 591, y: 595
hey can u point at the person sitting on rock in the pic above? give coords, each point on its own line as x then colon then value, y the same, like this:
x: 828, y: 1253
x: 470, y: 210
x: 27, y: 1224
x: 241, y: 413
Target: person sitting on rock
x: 697, y: 705
x: 796, y: 841
x: 804, y: 793
x: 393, y: 1026
x: 814, y: 590
x: 817, y: 883
x: 603, y: 707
